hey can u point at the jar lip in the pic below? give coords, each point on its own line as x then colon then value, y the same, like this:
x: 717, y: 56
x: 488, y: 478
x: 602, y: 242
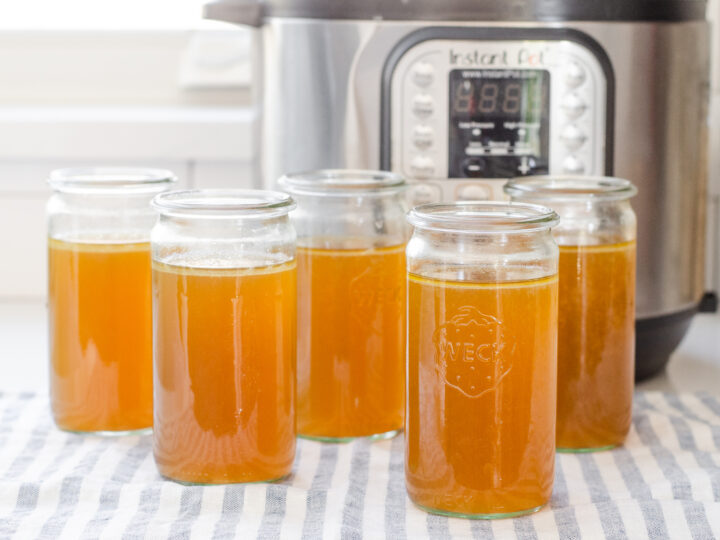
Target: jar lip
x: 224, y: 203
x: 111, y: 180
x: 342, y: 182
x: 483, y: 217
x: 569, y: 187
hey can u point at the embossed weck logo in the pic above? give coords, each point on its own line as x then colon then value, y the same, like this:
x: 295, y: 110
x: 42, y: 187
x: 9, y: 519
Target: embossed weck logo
x: 468, y: 352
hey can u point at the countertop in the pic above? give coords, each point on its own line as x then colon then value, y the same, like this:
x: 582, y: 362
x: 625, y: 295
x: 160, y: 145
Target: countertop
x: 662, y: 483
x: 694, y: 367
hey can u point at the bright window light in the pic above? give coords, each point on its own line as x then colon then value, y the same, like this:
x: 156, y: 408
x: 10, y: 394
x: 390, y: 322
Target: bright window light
x: 103, y: 15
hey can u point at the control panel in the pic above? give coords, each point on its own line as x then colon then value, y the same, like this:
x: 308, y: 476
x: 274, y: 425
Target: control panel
x: 465, y: 115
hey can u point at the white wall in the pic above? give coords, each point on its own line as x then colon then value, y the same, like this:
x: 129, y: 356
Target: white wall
x: 172, y: 99
x: 116, y: 67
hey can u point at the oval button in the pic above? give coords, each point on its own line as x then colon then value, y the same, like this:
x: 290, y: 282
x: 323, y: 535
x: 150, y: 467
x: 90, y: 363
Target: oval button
x: 572, y: 165
x: 423, y: 105
x: 572, y: 137
x: 424, y: 193
x: 473, y: 192
x: 423, y: 136
x: 573, y: 106
x: 422, y: 167
x: 574, y: 75
x: 423, y: 74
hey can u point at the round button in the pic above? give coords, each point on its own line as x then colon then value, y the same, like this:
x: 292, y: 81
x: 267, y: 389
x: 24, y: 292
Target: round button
x: 423, y: 136
x: 572, y: 137
x: 422, y: 167
x: 473, y: 192
x: 424, y: 193
x: 572, y: 165
x: 573, y: 106
x: 423, y: 105
x: 423, y: 73
x: 474, y: 167
x: 574, y: 75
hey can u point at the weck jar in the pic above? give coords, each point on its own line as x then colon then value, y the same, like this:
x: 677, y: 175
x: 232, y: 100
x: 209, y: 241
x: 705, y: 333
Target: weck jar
x: 99, y: 297
x: 224, y: 295
x: 481, y: 358
x: 596, y: 352
x: 351, y: 303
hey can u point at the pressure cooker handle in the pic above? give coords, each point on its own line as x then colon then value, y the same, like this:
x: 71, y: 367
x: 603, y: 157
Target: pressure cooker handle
x: 245, y: 12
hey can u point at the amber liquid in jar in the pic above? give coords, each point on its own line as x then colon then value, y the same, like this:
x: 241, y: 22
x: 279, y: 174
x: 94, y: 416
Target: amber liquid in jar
x: 480, y: 429
x: 225, y: 347
x: 596, y: 348
x: 100, y: 308
x: 351, y: 342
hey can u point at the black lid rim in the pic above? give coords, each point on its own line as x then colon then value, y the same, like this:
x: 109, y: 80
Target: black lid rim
x: 491, y: 10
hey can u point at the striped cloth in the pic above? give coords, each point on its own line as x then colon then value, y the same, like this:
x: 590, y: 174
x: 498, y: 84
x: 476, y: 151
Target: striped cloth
x: 665, y: 483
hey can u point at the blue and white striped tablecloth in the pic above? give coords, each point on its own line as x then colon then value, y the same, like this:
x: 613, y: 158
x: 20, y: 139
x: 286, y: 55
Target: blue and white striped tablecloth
x: 665, y: 483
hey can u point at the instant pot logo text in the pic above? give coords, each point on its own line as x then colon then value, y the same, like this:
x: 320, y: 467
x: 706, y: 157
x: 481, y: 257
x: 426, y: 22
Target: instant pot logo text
x: 523, y: 57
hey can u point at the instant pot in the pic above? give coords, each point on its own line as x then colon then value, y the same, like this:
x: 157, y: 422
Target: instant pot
x: 458, y: 95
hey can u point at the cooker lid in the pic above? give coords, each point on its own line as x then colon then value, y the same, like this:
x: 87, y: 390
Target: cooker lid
x: 253, y: 12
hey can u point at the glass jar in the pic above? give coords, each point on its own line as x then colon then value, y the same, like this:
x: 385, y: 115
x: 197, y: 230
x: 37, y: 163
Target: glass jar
x: 482, y: 350
x: 99, y: 297
x: 224, y: 293
x: 351, y: 303
x: 596, y: 353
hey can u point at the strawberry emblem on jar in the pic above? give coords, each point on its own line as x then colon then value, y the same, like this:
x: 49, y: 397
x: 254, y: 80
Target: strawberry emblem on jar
x: 468, y: 352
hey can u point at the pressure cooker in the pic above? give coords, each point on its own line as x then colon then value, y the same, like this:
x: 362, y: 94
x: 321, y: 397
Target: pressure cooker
x: 459, y: 95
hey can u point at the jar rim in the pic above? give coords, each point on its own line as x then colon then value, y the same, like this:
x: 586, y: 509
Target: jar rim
x: 570, y: 187
x: 483, y: 217
x: 224, y: 203
x: 342, y: 182
x: 111, y: 180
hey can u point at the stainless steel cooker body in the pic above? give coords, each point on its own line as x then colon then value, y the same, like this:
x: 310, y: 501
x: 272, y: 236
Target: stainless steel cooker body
x: 322, y: 108
x: 328, y: 101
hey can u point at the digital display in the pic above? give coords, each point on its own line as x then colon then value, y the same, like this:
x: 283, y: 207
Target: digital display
x: 499, y: 122
x: 502, y: 98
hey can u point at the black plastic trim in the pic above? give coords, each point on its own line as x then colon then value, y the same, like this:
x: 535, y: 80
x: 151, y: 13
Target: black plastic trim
x: 491, y: 10
x: 496, y: 34
x: 656, y: 338
x: 709, y: 303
